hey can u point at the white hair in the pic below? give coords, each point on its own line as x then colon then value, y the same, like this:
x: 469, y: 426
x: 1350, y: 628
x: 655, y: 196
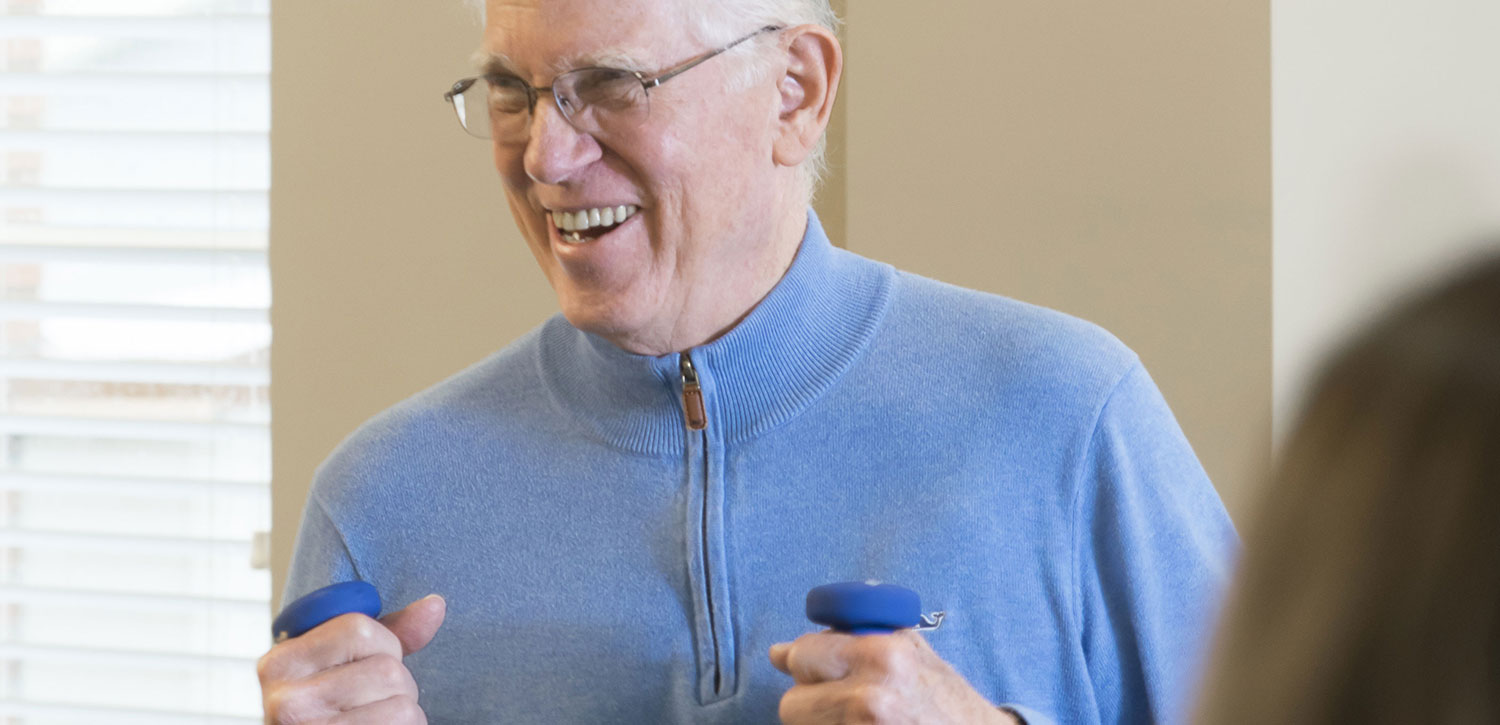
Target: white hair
x: 716, y: 23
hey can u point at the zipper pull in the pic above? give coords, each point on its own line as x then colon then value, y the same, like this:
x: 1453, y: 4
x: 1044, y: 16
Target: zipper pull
x: 692, y: 396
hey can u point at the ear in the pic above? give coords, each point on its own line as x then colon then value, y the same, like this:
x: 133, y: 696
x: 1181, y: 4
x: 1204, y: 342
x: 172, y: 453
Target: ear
x: 814, y: 63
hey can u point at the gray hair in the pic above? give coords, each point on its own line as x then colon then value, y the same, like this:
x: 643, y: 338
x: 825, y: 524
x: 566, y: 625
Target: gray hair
x: 717, y: 23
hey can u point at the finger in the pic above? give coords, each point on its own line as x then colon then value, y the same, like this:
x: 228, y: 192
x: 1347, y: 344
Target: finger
x: 345, y: 638
x: 399, y: 710
x: 778, y: 656
x: 363, y: 682
x: 888, y: 655
x: 339, y: 689
x: 830, y: 702
x: 416, y: 625
x: 818, y: 657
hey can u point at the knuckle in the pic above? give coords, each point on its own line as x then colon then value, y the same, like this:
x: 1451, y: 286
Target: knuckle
x: 273, y: 701
x: 367, y: 634
x: 407, y: 712
x: 361, y: 629
x: 284, y: 707
x: 275, y: 663
x: 784, y: 712
x: 264, y: 667
x: 794, y: 656
x: 867, y: 703
x: 796, y: 660
x: 806, y: 652
x: 389, y: 670
x: 878, y: 653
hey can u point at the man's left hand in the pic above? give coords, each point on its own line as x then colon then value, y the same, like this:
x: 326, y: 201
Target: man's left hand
x: 877, y: 678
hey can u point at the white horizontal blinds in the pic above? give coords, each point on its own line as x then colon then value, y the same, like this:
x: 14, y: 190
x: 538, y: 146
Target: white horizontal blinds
x: 134, y: 449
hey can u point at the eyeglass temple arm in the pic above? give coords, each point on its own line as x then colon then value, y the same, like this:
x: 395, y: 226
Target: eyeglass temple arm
x: 459, y: 87
x: 667, y: 75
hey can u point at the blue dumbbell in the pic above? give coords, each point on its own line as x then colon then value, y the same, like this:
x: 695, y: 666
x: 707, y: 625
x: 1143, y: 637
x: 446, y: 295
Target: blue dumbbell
x: 868, y: 607
x: 325, y: 604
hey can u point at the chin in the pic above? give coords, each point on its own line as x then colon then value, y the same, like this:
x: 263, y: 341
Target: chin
x: 605, y: 320
x: 630, y: 315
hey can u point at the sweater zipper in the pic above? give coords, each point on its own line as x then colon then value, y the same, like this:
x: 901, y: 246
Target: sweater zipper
x: 697, y: 420
x: 692, y: 396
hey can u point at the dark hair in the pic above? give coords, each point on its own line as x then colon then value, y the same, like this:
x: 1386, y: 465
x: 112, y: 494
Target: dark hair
x: 1370, y: 585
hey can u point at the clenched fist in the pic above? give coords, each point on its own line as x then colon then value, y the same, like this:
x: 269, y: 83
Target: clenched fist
x: 878, y: 678
x: 349, y: 670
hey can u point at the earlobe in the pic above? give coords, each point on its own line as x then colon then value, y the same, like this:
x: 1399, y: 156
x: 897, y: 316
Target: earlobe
x: 807, y: 90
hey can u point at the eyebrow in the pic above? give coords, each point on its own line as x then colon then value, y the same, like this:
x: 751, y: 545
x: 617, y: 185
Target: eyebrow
x: 496, y: 63
x: 490, y: 63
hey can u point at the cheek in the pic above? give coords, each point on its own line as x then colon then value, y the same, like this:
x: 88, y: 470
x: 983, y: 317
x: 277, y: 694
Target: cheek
x: 702, y: 161
x: 694, y: 139
x: 735, y: 146
x: 510, y: 162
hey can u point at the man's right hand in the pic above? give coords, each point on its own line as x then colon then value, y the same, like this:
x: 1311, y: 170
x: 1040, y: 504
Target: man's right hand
x: 349, y: 670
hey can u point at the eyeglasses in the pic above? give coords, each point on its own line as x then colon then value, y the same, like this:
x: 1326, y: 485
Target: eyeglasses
x: 593, y: 100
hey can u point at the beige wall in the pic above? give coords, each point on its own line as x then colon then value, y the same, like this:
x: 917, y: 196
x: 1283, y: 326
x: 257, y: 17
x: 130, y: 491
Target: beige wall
x: 1111, y: 163
x: 1387, y: 163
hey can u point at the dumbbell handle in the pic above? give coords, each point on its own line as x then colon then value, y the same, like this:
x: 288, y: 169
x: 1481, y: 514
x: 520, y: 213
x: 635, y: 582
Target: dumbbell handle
x: 324, y: 604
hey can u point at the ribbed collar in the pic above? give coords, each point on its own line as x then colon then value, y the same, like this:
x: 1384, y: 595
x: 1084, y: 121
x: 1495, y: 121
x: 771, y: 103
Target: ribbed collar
x: 788, y: 351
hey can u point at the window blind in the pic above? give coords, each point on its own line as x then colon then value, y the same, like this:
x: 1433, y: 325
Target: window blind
x: 134, y: 341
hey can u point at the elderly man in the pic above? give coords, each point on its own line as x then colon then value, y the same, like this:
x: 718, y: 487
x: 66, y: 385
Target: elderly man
x: 623, y: 509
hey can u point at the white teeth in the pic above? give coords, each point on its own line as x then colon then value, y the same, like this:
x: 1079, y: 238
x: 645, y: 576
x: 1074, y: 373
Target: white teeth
x: 575, y: 222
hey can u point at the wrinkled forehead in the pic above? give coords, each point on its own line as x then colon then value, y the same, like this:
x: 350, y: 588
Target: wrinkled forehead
x: 540, y: 38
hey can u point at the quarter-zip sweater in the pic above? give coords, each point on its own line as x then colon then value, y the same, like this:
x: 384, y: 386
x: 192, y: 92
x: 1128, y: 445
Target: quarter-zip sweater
x: 621, y: 538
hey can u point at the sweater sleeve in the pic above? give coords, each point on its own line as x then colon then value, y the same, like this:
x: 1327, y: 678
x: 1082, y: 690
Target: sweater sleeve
x: 1153, y: 548
x: 320, y: 556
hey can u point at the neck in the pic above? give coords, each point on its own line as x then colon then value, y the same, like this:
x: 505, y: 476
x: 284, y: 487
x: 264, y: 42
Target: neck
x: 712, y: 308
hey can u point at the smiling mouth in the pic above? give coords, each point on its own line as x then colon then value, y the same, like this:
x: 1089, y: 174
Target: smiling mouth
x: 586, y: 225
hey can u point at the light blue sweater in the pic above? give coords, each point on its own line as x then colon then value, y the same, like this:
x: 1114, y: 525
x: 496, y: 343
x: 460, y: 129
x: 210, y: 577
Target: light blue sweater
x: 603, y: 563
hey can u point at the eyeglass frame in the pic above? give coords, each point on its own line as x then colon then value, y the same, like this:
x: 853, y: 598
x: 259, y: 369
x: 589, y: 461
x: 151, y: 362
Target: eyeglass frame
x: 533, y: 92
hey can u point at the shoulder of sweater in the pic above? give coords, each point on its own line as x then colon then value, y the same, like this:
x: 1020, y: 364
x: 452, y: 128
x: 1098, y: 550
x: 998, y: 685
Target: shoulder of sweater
x: 429, y: 421
x: 1012, y: 338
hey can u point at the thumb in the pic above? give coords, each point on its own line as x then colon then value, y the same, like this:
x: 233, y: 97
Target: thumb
x: 779, y: 653
x: 417, y: 623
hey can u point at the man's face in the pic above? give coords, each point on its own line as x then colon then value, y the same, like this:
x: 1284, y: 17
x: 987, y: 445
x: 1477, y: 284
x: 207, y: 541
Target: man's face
x: 698, y: 168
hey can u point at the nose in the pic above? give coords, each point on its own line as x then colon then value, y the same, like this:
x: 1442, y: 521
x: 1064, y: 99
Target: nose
x: 555, y: 150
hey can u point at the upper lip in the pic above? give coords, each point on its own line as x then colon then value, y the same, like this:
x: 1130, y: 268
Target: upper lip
x: 590, y: 205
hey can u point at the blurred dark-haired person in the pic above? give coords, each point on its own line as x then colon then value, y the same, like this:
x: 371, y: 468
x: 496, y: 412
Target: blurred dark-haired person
x: 1370, y: 587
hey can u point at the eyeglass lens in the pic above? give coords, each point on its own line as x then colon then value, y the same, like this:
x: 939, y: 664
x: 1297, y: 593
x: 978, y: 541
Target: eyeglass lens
x: 594, y: 100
